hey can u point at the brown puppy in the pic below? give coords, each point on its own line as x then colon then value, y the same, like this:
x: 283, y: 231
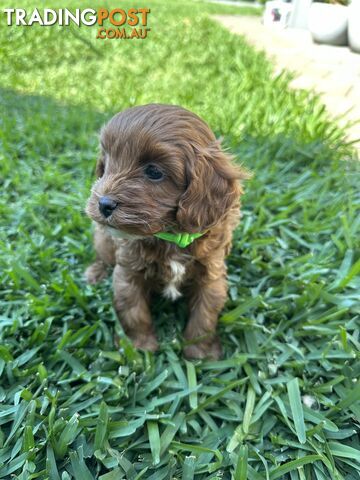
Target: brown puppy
x: 161, y: 169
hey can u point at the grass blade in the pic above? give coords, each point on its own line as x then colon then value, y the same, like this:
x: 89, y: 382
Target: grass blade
x: 102, y: 425
x: 191, y: 376
x: 154, y: 439
x: 287, y: 467
x: 249, y: 408
x: 296, y: 409
x: 241, y: 471
x: 189, y: 468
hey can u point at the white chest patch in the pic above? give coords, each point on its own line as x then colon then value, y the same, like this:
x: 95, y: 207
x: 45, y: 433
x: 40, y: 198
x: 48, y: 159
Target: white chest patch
x: 177, y: 274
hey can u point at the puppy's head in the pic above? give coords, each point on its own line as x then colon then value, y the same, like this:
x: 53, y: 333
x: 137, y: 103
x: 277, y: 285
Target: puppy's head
x: 161, y: 169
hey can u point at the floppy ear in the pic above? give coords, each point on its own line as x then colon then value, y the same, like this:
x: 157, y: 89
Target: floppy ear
x: 213, y: 187
x: 100, y: 166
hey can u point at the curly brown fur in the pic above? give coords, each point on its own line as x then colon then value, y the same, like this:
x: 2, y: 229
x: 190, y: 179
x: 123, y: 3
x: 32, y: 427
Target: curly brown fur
x: 199, y: 192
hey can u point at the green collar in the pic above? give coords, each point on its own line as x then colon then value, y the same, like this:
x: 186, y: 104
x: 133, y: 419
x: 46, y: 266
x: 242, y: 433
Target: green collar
x: 182, y: 240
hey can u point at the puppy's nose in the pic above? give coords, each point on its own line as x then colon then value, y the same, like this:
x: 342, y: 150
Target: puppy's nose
x: 107, y: 206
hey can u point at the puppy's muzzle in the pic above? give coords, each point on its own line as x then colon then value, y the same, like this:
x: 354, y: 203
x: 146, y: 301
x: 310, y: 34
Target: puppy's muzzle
x: 107, y: 206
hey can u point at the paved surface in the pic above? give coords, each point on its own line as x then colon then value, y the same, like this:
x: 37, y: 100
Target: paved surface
x: 334, y: 72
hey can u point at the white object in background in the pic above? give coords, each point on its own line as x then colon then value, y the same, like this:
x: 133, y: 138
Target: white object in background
x: 277, y: 13
x: 329, y: 23
x: 299, y: 17
x: 354, y: 25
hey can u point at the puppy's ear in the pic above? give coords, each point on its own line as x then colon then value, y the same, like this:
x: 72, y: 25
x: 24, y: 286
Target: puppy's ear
x: 213, y: 187
x: 100, y: 165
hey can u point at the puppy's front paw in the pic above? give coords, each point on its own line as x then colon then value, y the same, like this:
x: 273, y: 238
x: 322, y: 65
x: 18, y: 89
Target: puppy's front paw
x: 146, y: 342
x: 95, y: 272
x: 203, y: 350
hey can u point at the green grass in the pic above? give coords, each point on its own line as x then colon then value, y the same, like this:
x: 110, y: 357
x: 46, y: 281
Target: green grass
x: 285, y: 400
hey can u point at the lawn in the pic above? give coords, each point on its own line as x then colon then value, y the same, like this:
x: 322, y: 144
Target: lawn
x: 284, y: 403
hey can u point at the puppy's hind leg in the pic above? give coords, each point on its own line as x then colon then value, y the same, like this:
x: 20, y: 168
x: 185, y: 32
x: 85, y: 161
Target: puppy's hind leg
x: 206, y: 300
x: 105, y: 257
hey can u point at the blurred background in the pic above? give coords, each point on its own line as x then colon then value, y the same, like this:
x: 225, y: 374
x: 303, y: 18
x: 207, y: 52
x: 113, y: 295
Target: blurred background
x: 319, y: 41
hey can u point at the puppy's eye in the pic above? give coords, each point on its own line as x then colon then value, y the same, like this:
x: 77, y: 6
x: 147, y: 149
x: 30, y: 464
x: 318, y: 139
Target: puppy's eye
x: 153, y: 173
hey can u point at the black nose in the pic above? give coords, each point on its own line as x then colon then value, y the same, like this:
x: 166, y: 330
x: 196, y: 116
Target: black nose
x: 107, y: 206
